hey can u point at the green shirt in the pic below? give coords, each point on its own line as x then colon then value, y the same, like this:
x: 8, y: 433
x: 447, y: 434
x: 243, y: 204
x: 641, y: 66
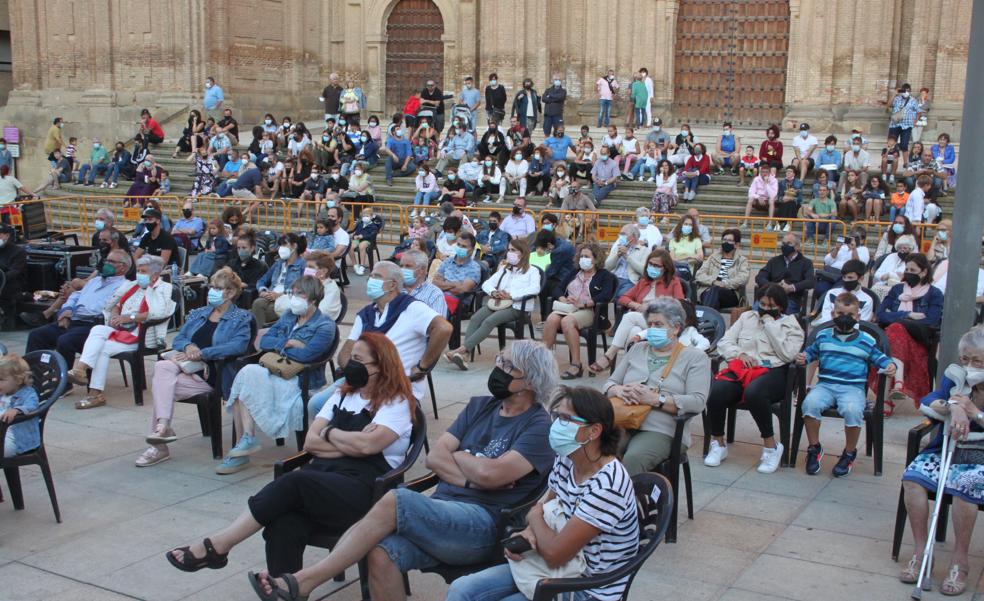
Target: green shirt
x: 99, y: 155
x: 820, y: 207
x: 541, y: 261
x: 639, y: 94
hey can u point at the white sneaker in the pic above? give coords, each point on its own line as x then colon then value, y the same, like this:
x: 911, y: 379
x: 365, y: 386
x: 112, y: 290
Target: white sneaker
x: 650, y: 179
x: 770, y: 459
x: 413, y: 215
x: 716, y: 454
x: 103, y: 185
x: 359, y: 270
x: 787, y: 228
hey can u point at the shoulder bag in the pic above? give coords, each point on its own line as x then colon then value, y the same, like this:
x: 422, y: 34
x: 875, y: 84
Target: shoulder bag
x: 498, y: 304
x: 631, y: 417
x: 280, y: 365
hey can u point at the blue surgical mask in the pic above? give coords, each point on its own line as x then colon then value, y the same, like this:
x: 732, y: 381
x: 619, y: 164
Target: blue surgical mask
x: 100, y: 224
x: 563, y: 437
x: 898, y: 228
x: 856, y: 147
x: 461, y: 252
x: 548, y: 227
x: 643, y: 221
x: 408, y: 276
x: 657, y: 337
x: 942, y: 235
x: 143, y: 280
x: 653, y: 272
x: 374, y: 288
x: 623, y: 239
x: 215, y: 297
x: 686, y: 230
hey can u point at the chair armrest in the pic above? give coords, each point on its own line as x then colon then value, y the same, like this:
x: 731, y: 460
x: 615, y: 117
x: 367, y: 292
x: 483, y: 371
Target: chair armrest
x: 389, y: 480
x: 681, y: 421
x: 291, y: 463
x: 916, y: 435
x: 523, y: 300
x: 423, y: 483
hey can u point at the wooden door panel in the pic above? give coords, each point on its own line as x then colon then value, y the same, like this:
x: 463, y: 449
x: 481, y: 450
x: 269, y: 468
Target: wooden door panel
x: 414, y: 50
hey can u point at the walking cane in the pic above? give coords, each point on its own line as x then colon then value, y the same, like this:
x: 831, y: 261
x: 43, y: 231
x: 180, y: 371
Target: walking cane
x: 925, y: 582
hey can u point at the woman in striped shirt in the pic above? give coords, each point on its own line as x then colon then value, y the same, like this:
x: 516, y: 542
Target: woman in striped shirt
x: 590, y: 500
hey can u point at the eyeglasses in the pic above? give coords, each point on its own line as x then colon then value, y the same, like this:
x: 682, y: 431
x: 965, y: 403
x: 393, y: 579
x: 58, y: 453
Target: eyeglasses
x: 568, y: 419
x: 507, y: 366
x: 972, y: 362
x: 112, y: 262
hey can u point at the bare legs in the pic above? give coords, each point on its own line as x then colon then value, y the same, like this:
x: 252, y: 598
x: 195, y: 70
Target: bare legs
x: 239, y: 530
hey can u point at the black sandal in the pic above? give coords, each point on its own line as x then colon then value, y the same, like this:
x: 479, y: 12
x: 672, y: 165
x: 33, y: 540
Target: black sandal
x: 293, y: 592
x: 189, y: 563
x: 572, y: 375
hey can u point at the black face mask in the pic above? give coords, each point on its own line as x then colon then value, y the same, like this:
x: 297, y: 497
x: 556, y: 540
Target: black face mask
x: 493, y: 225
x: 903, y: 254
x: 851, y: 285
x: 330, y: 223
x: 845, y: 323
x: 727, y: 247
x: 499, y: 381
x: 104, y: 249
x: 912, y: 279
x: 186, y: 213
x: 355, y: 373
x: 517, y: 210
x: 773, y: 313
x: 787, y: 250
x: 150, y: 225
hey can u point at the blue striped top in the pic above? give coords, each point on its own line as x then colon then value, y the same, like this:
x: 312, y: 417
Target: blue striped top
x: 845, y: 360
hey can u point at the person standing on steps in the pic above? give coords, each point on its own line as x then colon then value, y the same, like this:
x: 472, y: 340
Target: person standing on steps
x: 214, y: 97
x: 553, y: 106
x: 526, y: 105
x: 331, y: 96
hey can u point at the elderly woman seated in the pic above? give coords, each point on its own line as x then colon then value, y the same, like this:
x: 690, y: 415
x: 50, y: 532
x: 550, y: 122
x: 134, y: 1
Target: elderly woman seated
x: 133, y: 303
x: 961, y: 397
x: 892, y: 268
x: 589, y: 286
x: 663, y: 373
x: 321, y: 265
x: 260, y: 398
x: 361, y: 433
x: 757, y: 347
x: 217, y: 331
x: 658, y: 280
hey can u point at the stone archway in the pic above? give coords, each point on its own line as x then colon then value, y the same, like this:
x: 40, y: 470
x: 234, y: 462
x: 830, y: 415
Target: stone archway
x: 414, y: 49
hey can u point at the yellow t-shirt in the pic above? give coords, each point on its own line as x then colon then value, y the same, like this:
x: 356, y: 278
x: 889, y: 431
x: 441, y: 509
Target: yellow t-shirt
x: 540, y: 261
x: 685, y: 248
x: 53, y: 140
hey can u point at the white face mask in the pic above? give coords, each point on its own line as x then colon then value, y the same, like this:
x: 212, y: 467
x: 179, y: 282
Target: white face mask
x: 357, y: 172
x: 975, y: 376
x: 586, y: 263
x: 283, y: 252
x: 298, y: 305
x: 518, y: 157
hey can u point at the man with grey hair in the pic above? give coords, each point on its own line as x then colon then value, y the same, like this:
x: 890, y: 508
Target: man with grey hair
x: 104, y: 219
x: 417, y: 331
x: 791, y: 270
x: 98, y: 164
x: 331, y: 96
x: 627, y: 258
x: 494, y: 455
x: 414, y: 265
x: 82, y: 311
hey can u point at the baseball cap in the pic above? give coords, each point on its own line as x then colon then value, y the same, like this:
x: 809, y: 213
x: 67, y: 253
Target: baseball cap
x: 804, y: 126
x: 152, y: 212
x: 657, y: 121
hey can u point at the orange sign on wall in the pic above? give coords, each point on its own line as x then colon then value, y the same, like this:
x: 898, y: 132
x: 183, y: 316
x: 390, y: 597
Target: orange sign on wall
x: 765, y: 240
x: 131, y: 213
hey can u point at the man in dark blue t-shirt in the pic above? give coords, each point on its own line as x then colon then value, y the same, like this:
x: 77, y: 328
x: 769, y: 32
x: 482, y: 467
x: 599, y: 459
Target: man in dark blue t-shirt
x: 494, y: 455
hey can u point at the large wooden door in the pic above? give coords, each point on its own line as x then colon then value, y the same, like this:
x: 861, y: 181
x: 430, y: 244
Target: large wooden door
x: 414, y: 50
x: 731, y: 61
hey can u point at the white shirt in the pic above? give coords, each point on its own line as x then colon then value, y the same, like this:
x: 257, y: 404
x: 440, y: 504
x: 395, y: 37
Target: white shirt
x: 341, y: 237
x: 941, y: 283
x: 916, y: 205
x: 517, y: 170
x: 669, y: 182
x: 844, y: 254
x: 630, y: 145
x: 827, y: 308
x: 803, y: 144
x: 518, y: 227
x: 294, y: 147
x: 394, y: 416
x: 893, y: 267
x: 408, y: 334
x: 516, y: 283
x: 651, y: 235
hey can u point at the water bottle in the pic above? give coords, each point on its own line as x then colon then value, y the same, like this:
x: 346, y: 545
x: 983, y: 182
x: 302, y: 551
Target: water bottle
x: 174, y: 273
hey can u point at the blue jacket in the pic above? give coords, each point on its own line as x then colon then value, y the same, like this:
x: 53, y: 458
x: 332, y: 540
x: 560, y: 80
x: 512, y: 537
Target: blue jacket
x: 26, y: 433
x: 561, y: 261
x: 231, y: 337
x: 369, y: 231
x: 541, y: 167
x: 931, y: 304
x: 294, y: 271
x: 317, y: 335
x: 498, y: 239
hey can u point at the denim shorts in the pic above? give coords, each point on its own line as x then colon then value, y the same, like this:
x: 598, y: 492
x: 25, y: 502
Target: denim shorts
x: 496, y: 584
x: 432, y: 531
x: 849, y: 399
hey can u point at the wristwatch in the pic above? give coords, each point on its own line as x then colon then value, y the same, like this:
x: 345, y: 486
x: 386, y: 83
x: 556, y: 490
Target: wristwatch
x: 661, y: 399
x: 133, y: 317
x: 979, y: 418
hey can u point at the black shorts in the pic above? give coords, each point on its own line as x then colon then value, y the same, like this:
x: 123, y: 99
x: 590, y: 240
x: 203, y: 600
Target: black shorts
x: 811, y: 162
x: 902, y: 134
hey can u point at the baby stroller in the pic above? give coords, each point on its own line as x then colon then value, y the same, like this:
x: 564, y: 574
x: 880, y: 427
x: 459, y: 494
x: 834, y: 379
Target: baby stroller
x: 461, y: 111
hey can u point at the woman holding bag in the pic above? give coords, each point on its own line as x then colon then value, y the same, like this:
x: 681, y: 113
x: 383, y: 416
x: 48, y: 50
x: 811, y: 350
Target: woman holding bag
x: 261, y: 398
x: 585, y: 525
x: 663, y: 375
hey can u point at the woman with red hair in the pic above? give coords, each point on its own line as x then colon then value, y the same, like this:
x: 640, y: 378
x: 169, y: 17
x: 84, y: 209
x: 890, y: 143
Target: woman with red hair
x: 362, y: 432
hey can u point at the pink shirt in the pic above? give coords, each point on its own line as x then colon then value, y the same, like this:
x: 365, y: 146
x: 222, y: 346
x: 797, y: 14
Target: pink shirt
x: 759, y: 188
x: 604, y: 92
x: 580, y: 288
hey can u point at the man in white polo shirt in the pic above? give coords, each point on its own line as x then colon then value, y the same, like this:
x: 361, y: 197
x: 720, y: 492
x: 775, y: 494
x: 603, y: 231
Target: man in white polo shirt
x: 804, y: 149
x: 417, y: 331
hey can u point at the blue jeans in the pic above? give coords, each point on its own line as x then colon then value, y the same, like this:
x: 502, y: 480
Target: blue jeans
x: 496, y: 584
x: 604, y: 112
x: 433, y: 531
x: 624, y: 285
x: 92, y: 171
x: 425, y: 198
x: 551, y: 121
x: 113, y: 173
x: 601, y: 192
x: 690, y: 183
x: 390, y: 164
x: 819, y: 228
x: 639, y: 169
x: 849, y: 400
x: 640, y: 116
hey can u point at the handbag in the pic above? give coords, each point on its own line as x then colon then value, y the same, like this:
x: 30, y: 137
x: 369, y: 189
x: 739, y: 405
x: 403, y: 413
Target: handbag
x: 281, y: 366
x: 565, y: 308
x: 631, y: 417
x: 527, y: 573
x: 498, y: 304
x: 186, y: 367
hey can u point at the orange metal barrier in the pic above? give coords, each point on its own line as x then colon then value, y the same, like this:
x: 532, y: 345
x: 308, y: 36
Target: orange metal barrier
x: 925, y: 233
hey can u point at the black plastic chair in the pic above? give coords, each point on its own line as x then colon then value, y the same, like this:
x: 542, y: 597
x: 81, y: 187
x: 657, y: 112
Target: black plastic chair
x: 874, y: 415
x: 916, y: 435
x: 598, y: 326
x: 654, y: 519
x: 670, y: 468
x: 524, y: 320
x: 50, y: 379
x: 328, y: 538
x: 467, y: 306
x: 209, y: 405
x: 135, y: 358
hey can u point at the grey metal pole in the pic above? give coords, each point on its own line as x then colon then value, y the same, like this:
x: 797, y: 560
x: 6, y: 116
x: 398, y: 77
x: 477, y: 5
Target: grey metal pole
x: 968, y: 215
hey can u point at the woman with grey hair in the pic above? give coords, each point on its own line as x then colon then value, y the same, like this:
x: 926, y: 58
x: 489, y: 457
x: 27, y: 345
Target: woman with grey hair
x: 666, y: 375
x: 647, y: 229
x: 260, y: 398
x: 133, y: 303
x: 961, y: 397
x: 892, y: 267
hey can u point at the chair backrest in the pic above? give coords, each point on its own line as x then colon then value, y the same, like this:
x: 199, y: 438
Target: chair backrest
x: 418, y: 438
x: 655, y: 512
x: 875, y: 265
x: 182, y: 259
x: 3, y: 349
x: 875, y: 302
x: 710, y: 324
x: 49, y: 378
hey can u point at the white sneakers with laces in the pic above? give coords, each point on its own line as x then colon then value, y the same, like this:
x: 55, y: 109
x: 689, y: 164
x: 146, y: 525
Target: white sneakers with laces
x: 716, y: 454
x: 770, y: 460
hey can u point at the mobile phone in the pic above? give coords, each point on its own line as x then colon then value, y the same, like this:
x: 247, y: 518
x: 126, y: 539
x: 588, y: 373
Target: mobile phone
x: 516, y: 544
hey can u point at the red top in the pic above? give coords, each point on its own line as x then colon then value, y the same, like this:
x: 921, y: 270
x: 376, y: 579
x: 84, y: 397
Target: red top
x: 412, y: 106
x: 770, y: 151
x: 155, y: 127
x: 638, y: 293
x: 703, y: 166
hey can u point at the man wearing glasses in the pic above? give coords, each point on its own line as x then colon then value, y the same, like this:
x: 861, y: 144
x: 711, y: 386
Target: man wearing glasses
x: 433, y: 98
x: 495, y: 455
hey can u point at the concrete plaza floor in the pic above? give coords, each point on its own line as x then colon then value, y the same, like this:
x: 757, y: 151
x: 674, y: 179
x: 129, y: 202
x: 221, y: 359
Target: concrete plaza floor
x: 784, y: 536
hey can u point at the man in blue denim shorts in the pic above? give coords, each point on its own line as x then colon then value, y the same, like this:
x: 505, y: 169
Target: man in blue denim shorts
x: 494, y: 455
x: 844, y: 354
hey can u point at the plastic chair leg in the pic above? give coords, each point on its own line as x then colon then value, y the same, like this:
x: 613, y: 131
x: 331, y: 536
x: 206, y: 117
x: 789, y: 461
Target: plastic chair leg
x: 688, y: 484
x: 50, y: 485
x: 900, y: 516
x: 123, y: 373
x: 430, y: 384
x: 14, y: 485
x: 215, y: 425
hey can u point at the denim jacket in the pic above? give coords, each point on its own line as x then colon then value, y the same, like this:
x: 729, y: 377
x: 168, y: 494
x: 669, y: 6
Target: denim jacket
x: 317, y: 335
x: 294, y: 271
x: 498, y: 240
x: 929, y: 304
x: 27, y: 434
x: 231, y: 337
